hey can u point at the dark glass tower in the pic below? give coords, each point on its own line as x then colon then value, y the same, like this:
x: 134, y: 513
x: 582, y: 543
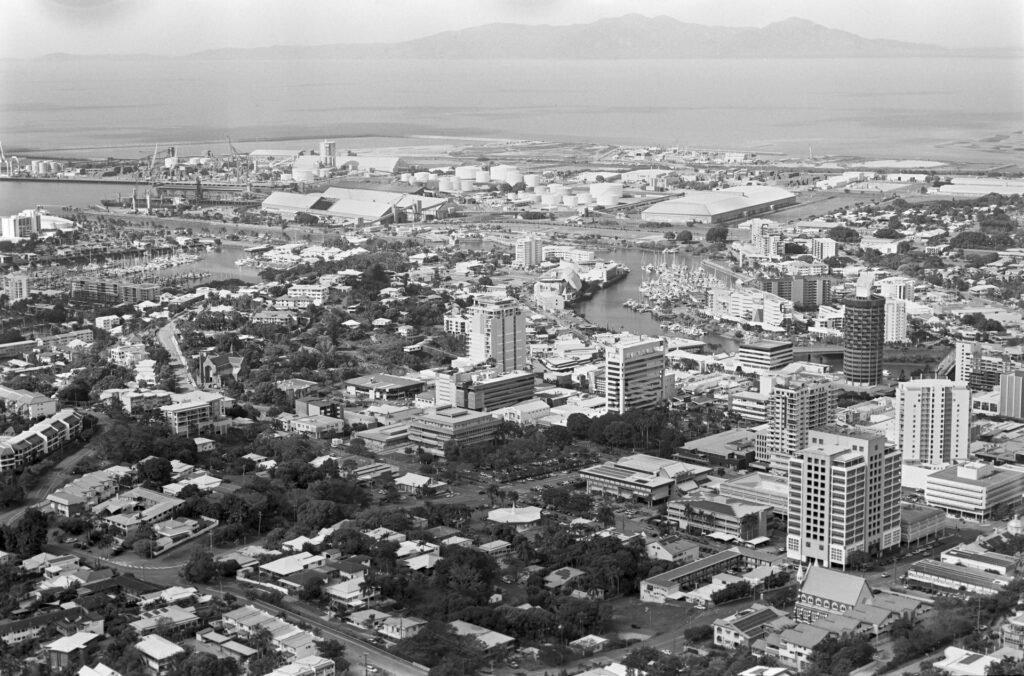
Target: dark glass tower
x: 864, y: 337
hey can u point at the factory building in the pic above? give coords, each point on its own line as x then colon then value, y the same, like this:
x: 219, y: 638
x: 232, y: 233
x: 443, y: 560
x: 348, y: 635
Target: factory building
x: 719, y: 206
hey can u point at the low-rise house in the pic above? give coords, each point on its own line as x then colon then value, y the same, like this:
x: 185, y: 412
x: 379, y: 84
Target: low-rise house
x: 127, y: 511
x: 285, y: 637
x: 400, y: 628
x: 289, y: 565
x: 676, y: 549
x: 171, y: 619
x: 742, y: 629
x: 494, y: 643
x: 557, y: 579
x: 313, y: 665
x: 69, y: 651
x: 158, y: 654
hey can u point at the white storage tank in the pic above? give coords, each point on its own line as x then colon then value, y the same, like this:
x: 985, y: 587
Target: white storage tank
x: 500, y: 172
x: 466, y: 185
x: 170, y: 162
x: 531, y: 180
x: 549, y: 200
x: 540, y: 189
x: 583, y: 198
x: 536, y: 199
x: 569, y: 200
x: 423, y: 176
x: 407, y: 178
x: 466, y: 172
x: 300, y: 175
x: 483, y: 176
x: 514, y: 177
x: 446, y: 184
x: 607, y: 199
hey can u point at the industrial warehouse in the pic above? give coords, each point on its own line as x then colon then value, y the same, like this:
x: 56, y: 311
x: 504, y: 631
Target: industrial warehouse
x: 720, y: 206
x: 358, y: 205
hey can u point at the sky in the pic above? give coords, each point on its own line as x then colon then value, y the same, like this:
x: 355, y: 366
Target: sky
x: 174, y: 27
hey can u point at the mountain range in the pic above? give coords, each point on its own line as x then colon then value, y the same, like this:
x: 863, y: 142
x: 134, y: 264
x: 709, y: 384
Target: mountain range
x: 627, y: 37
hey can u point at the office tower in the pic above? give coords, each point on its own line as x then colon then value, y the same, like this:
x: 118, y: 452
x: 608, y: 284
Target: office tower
x: 797, y: 403
x: 16, y: 286
x: 933, y: 420
x: 844, y: 496
x: 897, y: 288
x: 863, y: 334
x: 1011, y: 394
x: 981, y: 364
x: 21, y: 225
x: 765, y: 355
x: 634, y: 374
x: 496, y: 333
x: 529, y: 252
x: 327, y: 153
x: 896, y: 321
x: 823, y: 248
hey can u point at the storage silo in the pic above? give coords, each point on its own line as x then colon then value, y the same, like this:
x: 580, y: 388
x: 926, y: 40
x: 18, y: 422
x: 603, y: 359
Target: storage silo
x: 422, y: 176
x: 583, y: 198
x: 531, y: 180
x: 407, y: 178
x: 535, y: 199
x: 549, y: 200
x: 301, y: 175
x: 467, y: 172
x: 607, y: 199
x: 483, y: 176
x: 513, y: 177
x: 540, y: 189
x: 569, y: 200
x: 466, y: 185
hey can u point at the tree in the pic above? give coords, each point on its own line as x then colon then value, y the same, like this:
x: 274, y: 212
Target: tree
x: 200, y: 567
x: 843, y: 234
x: 204, y: 664
x: 335, y: 651
x: 684, y: 236
x: 312, y: 589
x: 698, y: 633
x: 718, y: 233
x: 606, y: 515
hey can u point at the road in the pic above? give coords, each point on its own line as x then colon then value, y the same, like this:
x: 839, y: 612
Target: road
x: 167, y: 338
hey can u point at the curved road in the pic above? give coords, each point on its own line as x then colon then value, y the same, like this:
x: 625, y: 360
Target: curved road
x: 166, y: 336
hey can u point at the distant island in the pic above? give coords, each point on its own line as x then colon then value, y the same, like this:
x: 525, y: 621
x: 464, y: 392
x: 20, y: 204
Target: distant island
x: 627, y: 37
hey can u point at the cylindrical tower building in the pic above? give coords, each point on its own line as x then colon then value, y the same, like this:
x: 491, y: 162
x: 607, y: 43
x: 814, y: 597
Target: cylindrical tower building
x: 863, y: 339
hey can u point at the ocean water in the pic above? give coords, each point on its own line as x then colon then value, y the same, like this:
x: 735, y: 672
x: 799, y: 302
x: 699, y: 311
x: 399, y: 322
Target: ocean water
x: 875, y: 108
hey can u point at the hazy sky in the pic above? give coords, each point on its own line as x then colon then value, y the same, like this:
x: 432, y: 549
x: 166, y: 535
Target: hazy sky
x: 36, y: 27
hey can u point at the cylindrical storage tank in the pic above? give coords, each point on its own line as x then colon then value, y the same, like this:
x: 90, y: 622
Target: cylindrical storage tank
x: 522, y: 194
x: 301, y: 175
x: 556, y: 187
x: 540, y: 189
x: 423, y: 176
x: 569, y: 200
x: 37, y: 166
x: 406, y: 178
x: 194, y: 161
x: 170, y: 162
x: 583, y: 198
x: 549, y: 200
x: 466, y: 185
x: 531, y: 180
x: 446, y: 184
x: 536, y: 199
x: 483, y: 176
x: 607, y: 200
x: 497, y: 173
x: 514, y: 177
x: 466, y: 172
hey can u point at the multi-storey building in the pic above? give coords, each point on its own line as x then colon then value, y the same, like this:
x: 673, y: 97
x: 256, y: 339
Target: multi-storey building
x: 765, y: 355
x: 1011, y: 394
x: 31, y: 405
x: 529, y: 252
x: 192, y: 412
x: 897, y: 288
x: 309, y: 293
x: 434, y: 431
x: 804, y: 291
x: 796, y: 404
x: 863, y: 336
x: 743, y: 520
x: 634, y: 374
x: 844, y: 496
x: 750, y: 306
x: 639, y: 477
x: 823, y: 248
x: 21, y: 225
x: 568, y: 253
x: 974, y: 490
x: 497, y: 333
x: 933, y: 421
x: 127, y: 355
x: 16, y: 286
x: 43, y: 438
x: 483, y: 391
x: 980, y: 365
x: 101, y: 290
x: 896, y: 326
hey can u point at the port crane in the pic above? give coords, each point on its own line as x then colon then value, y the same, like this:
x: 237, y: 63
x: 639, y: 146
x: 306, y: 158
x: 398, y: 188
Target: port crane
x: 240, y: 164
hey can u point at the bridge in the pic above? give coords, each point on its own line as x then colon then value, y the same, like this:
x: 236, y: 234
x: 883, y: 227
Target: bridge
x: 818, y: 351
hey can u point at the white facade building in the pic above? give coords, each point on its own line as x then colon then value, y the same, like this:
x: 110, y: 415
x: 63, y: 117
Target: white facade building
x: 896, y: 326
x: 823, y: 248
x: 933, y: 420
x: 496, y: 331
x: 529, y: 252
x: 844, y: 497
x: 634, y: 374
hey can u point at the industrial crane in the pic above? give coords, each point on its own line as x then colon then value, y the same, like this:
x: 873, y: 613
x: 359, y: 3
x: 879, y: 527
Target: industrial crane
x: 236, y: 157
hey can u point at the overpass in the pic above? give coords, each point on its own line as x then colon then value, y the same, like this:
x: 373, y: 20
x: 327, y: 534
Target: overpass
x: 817, y: 351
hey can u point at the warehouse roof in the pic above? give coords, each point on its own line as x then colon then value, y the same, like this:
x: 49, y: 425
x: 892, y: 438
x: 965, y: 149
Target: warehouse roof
x: 714, y: 202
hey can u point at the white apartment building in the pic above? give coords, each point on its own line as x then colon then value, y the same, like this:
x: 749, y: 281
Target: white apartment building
x: 896, y: 288
x: 750, y: 306
x: 634, y: 374
x: 496, y: 331
x: 1011, y: 394
x: 933, y: 420
x: 844, y: 496
x: 310, y: 293
x: 529, y: 252
x: 16, y: 287
x: 127, y: 355
x: 896, y: 326
x: 192, y: 412
x: 823, y: 248
x: 568, y: 253
x: 796, y: 404
x: 20, y: 226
